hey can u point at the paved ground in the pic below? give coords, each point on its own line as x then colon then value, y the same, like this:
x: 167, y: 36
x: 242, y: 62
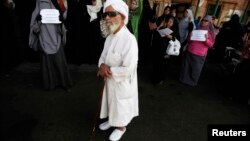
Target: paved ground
x: 168, y: 112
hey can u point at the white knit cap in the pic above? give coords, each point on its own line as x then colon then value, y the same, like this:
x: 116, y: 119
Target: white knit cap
x: 119, y: 6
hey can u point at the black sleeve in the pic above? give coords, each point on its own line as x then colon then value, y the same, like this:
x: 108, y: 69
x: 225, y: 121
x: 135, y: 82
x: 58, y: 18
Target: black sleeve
x: 154, y: 8
x: 190, y: 27
x: 38, y: 17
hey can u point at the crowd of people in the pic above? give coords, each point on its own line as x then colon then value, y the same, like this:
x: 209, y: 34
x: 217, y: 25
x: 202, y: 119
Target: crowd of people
x: 117, y: 36
x: 193, y: 54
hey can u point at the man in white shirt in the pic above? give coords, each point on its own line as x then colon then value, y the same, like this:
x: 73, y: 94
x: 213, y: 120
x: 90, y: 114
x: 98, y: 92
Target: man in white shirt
x: 118, y: 67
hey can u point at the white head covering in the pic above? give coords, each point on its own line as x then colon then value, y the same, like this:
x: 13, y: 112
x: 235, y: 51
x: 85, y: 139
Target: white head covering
x: 93, y: 10
x: 190, y: 13
x: 119, y: 6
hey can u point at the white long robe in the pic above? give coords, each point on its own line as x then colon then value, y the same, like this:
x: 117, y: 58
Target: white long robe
x: 120, y: 95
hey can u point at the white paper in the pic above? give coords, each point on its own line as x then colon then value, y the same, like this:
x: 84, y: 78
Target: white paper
x: 165, y: 31
x: 50, y: 21
x: 199, y: 35
x: 50, y: 16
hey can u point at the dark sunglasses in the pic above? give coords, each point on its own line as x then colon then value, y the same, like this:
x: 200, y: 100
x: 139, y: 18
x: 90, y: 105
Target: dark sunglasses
x: 110, y: 14
x: 203, y: 20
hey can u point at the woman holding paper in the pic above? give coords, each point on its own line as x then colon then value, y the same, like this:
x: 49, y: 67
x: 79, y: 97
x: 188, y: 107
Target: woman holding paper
x: 195, y: 57
x: 52, y: 38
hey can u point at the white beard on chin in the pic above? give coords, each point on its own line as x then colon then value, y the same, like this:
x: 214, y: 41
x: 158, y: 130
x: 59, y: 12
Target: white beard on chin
x: 108, y: 29
x: 113, y: 27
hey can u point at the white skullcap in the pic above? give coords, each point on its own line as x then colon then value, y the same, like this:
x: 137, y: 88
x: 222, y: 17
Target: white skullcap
x: 119, y: 6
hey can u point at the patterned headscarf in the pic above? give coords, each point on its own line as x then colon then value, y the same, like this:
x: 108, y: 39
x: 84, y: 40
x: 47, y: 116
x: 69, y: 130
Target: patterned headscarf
x: 210, y: 27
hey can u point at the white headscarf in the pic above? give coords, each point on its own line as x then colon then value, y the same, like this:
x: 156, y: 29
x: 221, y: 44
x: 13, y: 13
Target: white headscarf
x: 93, y: 10
x: 119, y: 6
x: 190, y: 13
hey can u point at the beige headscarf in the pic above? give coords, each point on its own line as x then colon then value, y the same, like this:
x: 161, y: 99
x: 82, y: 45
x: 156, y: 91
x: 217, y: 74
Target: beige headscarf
x: 119, y: 6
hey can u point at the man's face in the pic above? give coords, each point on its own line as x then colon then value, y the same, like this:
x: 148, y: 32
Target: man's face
x: 113, y: 19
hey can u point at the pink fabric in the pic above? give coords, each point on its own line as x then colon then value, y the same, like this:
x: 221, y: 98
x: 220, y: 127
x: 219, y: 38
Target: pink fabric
x: 200, y: 48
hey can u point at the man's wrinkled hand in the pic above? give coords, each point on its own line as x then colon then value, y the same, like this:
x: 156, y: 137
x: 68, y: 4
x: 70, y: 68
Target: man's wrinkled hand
x: 104, y: 71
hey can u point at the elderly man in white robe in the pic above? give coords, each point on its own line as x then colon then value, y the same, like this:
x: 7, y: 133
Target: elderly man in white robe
x: 118, y: 66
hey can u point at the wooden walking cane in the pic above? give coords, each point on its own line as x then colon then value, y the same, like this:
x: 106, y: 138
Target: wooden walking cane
x: 93, y: 128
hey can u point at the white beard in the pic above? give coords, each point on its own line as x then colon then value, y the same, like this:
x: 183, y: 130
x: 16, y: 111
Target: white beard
x: 113, y: 27
x: 104, y: 29
x: 108, y: 29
